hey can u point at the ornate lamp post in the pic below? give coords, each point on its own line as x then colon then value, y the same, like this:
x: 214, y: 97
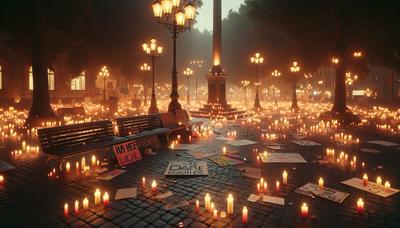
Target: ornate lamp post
x: 257, y: 60
x: 295, y: 68
x: 154, y: 50
x: 178, y: 19
x: 104, y: 74
x: 199, y: 64
x: 245, y: 84
x: 276, y: 74
x: 145, y: 68
x: 188, y: 72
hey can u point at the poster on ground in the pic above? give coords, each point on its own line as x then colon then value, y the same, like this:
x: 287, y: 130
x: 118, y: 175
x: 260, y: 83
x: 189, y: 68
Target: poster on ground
x: 187, y: 168
x: 327, y: 193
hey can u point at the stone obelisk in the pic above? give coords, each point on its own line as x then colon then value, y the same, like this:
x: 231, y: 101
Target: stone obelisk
x: 217, y: 106
x: 217, y: 78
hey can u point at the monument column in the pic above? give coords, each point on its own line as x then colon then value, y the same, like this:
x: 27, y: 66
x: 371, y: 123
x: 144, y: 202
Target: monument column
x: 217, y: 78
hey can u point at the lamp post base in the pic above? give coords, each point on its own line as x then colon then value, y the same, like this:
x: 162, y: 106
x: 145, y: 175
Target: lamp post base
x: 153, y: 105
x: 174, y: 105
x: 257, y: 105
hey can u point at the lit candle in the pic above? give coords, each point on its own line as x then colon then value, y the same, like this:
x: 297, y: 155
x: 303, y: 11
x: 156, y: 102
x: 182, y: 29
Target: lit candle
x: 258, y: 187
x: 265, y: 187
x: 93, y: 160
x: 106, y: 199
x: 360, y: 205
x: 215, y: 213
x: 365, y: 180
x: 223, y: 214
x: 85, y: 203
x: 1, y: 179
x: 262, y: 181
x: 97, y: 194
x: 224, y: 150
x: 321, y: 183
x: 304, y: 210
x: 387, y: 186
x: 244, y: 215
x: 379, y: 181
x: 154, y: 186
x: 229, y: 201
x: 83, y: 162
x: 207, y: 201
x: 77, y: 166
x: 66, y: 209
x: 67, y: 167
x: 284, y: 177
x: 143, y: 181
x: 76, y: 206
x: 277, y: 186
x: 197, y: 206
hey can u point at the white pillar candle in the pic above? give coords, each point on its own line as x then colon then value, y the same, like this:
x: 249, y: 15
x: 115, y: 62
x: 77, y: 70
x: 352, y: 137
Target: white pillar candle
x: 85, y: 203
x: 284, y: 177
x: 207, y: 201
x: 97, y: 194
x: 229, y: 202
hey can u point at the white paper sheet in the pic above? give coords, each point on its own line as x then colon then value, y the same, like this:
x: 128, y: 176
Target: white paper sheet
x: 126, y: 193
x: 274, y: 200
x: 383, y: 143
x: 253, y: 198
x: 282, y: 158
x: 371, y: 187
x: 242, y: 142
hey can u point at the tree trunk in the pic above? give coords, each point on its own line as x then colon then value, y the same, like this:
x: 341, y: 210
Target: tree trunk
x: 339, y: 102
x: 40, y: 109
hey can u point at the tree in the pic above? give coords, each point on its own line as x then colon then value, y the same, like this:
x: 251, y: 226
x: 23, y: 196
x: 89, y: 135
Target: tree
x: 328, y: 28
x: 40, y: 109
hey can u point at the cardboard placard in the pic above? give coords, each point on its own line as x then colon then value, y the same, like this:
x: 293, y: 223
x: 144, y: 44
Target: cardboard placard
x: 282, y: 158
x: 327, y: 193
x: 187, y: 168
x: 127, y: 152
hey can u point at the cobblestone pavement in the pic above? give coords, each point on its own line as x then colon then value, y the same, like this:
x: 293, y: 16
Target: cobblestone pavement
x: 29, y: 198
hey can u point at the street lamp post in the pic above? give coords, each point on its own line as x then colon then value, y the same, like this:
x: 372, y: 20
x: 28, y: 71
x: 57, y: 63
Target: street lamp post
x: 295, y: 68
x: 199, y: 64
x: 276, y: 74
x: 145, y: 68
x: 174, y: 16
x: 257, y: 60
x: 245, y: 84
x: 154, y: 50
x: 104, y: 74
x: 188, y: 72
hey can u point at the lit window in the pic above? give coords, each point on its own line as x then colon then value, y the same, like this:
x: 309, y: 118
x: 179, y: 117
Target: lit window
x: 78, y: 83
x: 50, y: 78
x: 1, y: 78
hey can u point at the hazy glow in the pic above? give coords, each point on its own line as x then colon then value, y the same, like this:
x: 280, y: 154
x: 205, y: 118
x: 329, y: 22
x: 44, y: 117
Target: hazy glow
x: 204, y: 19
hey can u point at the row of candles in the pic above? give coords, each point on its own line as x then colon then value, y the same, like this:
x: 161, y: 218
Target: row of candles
x: 304, y: 209
x: 85, y: 202
x: 343, y: 157
x: 209, y: 206
x: 386, y: 186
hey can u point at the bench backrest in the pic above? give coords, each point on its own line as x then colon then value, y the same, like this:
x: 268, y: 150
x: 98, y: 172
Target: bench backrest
x: 168, y: 119
x: 76, y: 135
x: 181, y: 116
x: 136, y: 124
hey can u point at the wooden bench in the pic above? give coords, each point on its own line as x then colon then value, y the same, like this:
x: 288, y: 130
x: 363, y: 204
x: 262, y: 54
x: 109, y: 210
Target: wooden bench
x: 182, y: 117
x: 140, y: 126
x: 71, y: 140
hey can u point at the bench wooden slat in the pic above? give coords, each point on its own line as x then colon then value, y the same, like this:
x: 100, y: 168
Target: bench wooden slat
x: 69, y: 139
